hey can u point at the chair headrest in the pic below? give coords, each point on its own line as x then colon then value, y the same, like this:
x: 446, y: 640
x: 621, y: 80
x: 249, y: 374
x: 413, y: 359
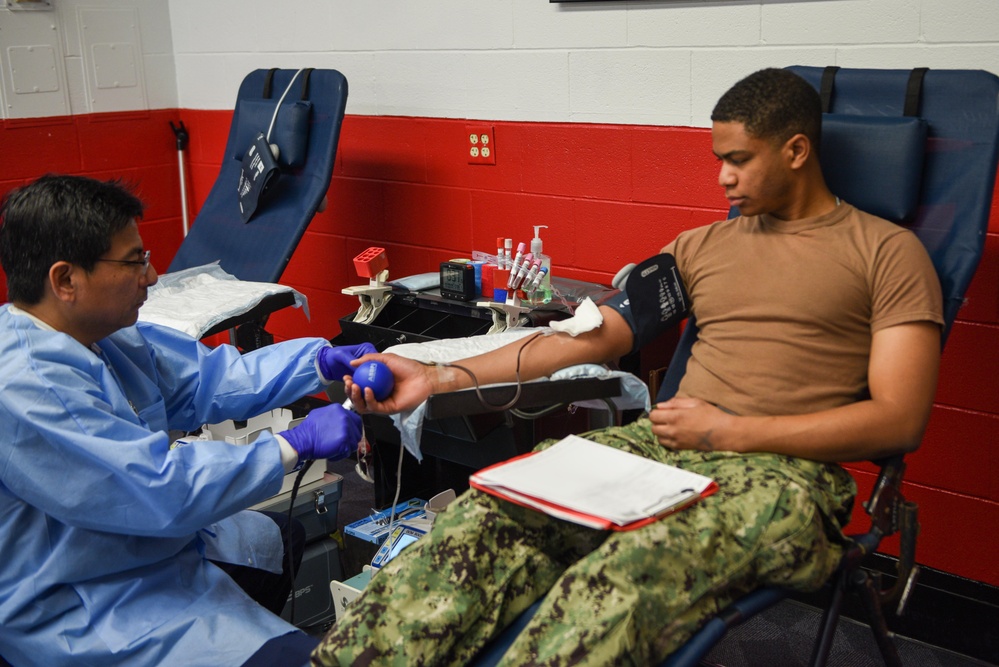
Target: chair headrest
x: 874, y: 162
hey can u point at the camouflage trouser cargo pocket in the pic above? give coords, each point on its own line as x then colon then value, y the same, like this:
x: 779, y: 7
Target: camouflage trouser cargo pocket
x: 612, y: 598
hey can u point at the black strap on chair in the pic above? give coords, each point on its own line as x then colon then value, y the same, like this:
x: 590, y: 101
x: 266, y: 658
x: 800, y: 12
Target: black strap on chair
x: 305, y: 82
x: 269, y: 83
x: 914, y: 91
x: 826, y: 89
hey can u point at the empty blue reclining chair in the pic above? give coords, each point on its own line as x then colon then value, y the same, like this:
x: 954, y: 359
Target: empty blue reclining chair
x: 919, y: 148
x: 306, y: 131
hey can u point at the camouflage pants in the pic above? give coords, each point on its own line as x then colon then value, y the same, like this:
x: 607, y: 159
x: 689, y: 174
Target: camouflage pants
x: 609, y: 597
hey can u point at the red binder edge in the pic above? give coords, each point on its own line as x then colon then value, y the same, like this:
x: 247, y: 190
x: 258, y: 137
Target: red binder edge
x: 567, y: 514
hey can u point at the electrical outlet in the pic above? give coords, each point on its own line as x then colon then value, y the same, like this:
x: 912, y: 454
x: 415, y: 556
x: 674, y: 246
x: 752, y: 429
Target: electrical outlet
x: 480, y: 144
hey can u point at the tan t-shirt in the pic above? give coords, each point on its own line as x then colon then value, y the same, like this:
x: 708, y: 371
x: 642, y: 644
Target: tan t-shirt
x: 786, y: 310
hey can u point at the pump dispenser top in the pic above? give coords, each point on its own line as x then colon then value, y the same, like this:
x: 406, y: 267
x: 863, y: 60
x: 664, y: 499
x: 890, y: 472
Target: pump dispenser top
x: 544, y: 291
x: 536, y: 241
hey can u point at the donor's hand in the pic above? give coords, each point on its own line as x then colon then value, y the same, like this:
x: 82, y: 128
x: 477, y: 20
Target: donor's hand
x: 414, y: 382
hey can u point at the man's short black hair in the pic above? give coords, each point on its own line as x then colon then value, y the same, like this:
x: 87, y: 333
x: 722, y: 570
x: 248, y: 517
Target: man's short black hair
x: 59, y: 218
x: 774, y: 105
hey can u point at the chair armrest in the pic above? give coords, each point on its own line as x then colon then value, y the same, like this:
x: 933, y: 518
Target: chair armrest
x: 269, y: 304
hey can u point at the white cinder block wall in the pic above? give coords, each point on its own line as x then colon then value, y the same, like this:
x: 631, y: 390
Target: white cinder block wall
x: 661, y: 62
x: 81, y: 56
x: 656, y: 62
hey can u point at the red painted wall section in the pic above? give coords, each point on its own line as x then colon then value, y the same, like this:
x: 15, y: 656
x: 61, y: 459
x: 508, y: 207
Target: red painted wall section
x: 136, y: 147
x: 609, y: 195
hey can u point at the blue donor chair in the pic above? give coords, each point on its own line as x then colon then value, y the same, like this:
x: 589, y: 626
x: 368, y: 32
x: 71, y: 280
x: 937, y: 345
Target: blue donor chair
x: 300, y: 112
x: 307, y: 130
x: 920, y: 149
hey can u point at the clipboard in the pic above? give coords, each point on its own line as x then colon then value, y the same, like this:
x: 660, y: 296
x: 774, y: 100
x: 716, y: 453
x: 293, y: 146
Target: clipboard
x: 594, y: 485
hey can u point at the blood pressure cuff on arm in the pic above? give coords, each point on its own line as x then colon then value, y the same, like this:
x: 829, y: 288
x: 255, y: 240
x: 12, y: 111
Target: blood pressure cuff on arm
x: 653, y: 300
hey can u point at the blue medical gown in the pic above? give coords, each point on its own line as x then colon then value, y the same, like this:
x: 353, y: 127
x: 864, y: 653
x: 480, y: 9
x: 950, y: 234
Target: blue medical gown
x: 104, y: 530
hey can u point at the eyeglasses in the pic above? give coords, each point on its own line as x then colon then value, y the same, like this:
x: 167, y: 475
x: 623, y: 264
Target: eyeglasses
x: 144, y: 262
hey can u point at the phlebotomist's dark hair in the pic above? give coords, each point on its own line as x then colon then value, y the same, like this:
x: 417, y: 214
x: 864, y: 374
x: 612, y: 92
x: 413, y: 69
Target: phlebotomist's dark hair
x: 59, y: 218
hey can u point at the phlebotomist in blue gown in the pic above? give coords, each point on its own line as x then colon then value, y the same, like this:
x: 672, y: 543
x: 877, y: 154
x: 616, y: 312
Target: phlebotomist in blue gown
x: 115, y: 547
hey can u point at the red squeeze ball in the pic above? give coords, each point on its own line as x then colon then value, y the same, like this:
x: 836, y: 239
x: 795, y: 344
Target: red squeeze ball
x: 376, y: 375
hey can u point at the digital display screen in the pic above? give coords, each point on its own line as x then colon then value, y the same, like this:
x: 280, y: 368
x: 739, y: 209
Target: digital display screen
x: 457, y: 281
x: 400, y: 538
x: 452, y: 278
x: 404, y: 541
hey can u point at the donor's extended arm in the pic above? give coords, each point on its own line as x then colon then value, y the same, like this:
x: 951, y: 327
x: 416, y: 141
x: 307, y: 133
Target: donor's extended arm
x: 537, y: 356
x: 653, y: 299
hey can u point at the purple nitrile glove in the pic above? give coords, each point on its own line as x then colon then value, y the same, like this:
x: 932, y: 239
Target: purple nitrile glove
x: 334, y: 362
x: 329, y: 432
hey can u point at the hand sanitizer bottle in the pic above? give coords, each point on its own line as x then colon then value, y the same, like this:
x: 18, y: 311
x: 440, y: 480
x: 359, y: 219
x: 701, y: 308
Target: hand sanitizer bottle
x: 544, y: 291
